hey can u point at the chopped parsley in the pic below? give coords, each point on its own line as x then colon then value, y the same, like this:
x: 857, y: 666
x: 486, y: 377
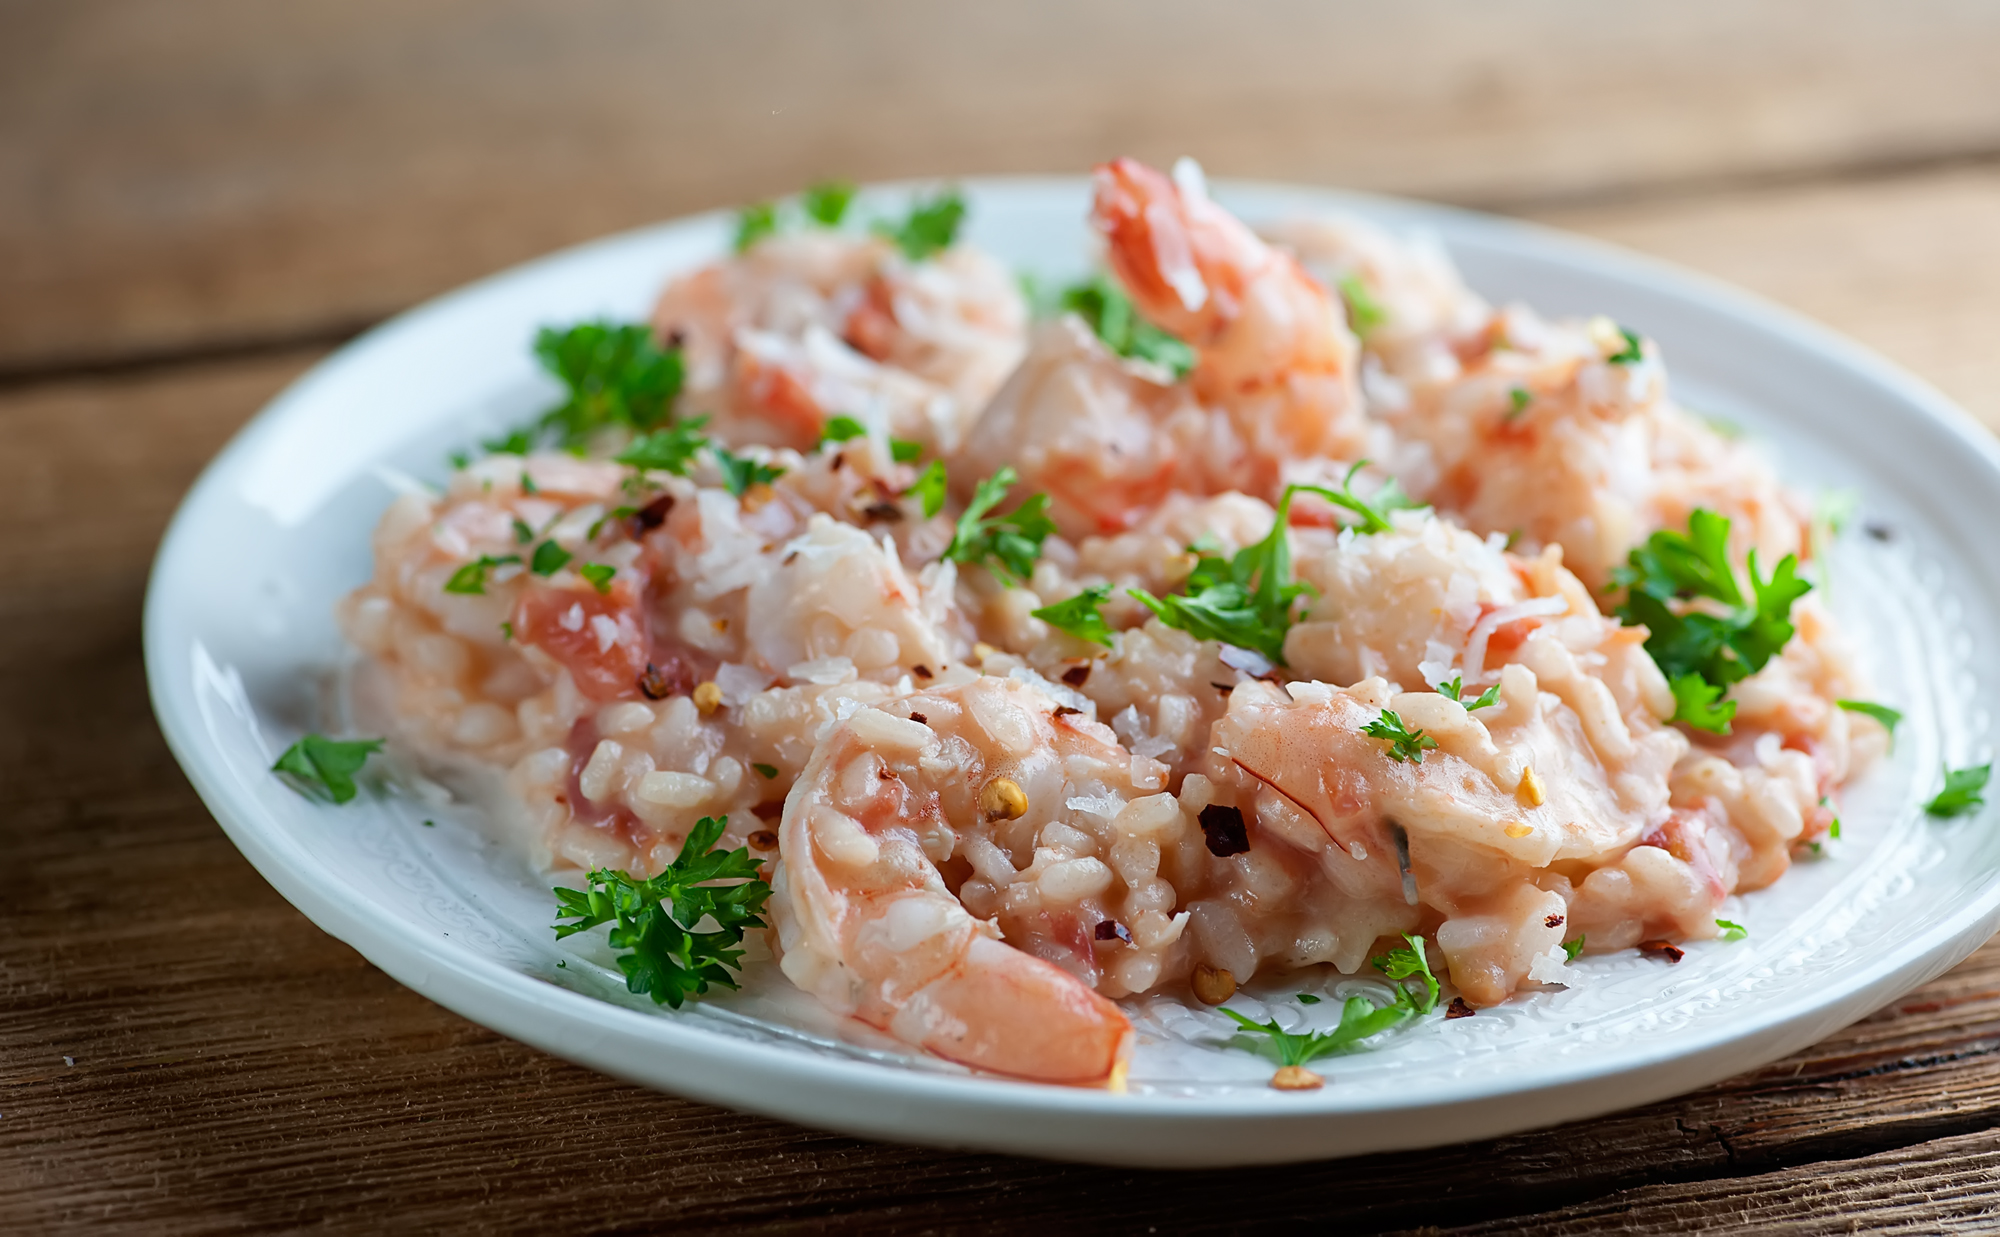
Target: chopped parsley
x: 471, y: 577
x: 1109, y: 312
x: 548, y: 559
x: 765, y: 771
x: 740, y: 472
x: 931, y: 225
x: 1007, y: 544
x: 1404, y: 744
x: 1364, y: 312
x: 1454, y: 689
x: 1961, y: 793
x: 1374, y: 512
x: 666, y: 450
x: 1630, y: 353
x: 598, y: 574
x: 1880, y: 712
x: 323, y: 768
x: 1307, y: 998
x: 826, y: 203
x: 1360, y: 1017
x: 1732, y: 931
x: 522, y: 533
x: 1518, y: 400
x: 654, y: 921
x: 755, y: 222
x: 1081, y: 616
x: 930, y: 487
x: 1572, y: 948
x: 903, y: 451
x: 1702, y: 648
x: 616, y: 375
x: 528, y: 485
x: 840, y: 428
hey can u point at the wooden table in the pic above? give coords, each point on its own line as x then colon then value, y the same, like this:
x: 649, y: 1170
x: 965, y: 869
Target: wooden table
x: 199, y: 199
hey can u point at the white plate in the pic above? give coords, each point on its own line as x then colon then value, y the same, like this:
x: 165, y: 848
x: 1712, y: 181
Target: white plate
x: 240, y: 642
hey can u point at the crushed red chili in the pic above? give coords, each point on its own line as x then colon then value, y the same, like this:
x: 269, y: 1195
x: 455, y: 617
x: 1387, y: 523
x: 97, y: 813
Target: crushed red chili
x: 1662, y: 949
x: 1112, y: 930
x: 1459, y: 1009
x: 763, y: 839
x: 921, y: 671
x: 1063, y: 710
x: 653, y: 685
x: 1553, y: 921
x: 922, y: 719
x: 1224, y: 829
x: 1075, y: 675
x: 653, y: 514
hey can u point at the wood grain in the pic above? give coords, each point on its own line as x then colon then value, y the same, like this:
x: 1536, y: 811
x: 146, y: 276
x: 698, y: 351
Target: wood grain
x: 208, y: 173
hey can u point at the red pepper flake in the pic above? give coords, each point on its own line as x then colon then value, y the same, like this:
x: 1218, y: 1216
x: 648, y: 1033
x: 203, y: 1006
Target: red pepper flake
x: 653, y: 514
x: 763, y: 839
x: 922, y: 719
x: 1459, y: 1009
x: 1063, y: 710
x: 1224, y: 688
x: 1112, y: 930
x: 1662, y: 949
x: 886, y: 773
x: 922, y: 672
x: 788, y: 559
x: 1223, y: 827
x: 653, y: 685
x: 1553, y: 921
x: 886, y: 512
x: 769, y: 811
x: 1076, y: 675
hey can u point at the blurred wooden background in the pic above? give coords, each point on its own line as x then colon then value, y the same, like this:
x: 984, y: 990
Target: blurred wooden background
x: 199, y: 198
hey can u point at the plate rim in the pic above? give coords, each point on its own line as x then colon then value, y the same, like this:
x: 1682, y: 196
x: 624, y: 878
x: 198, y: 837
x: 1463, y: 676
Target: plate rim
x: 492, y: 994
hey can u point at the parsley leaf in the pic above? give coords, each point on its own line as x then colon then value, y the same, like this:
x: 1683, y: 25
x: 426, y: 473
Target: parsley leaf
x: 1359, y: 1019
x: 826, y: 203
x: 1307, y: 998
x: 930, y: 487
x: 1695, y: 703
x: 740, y: 472
x: 840, y: 428
x: 1880, y: 712
x: 1732, y: 931
x: 1454, y: 689
x: 655, y: 921
x: 1080, y: 616
x: 617, y: 375
x: 522, y: 533
x: 1630, y: 353
x: 1374, y: 512
x: 1109, y: 313
x: 1007, y: 544
x: 755, y: 222
x: 903, y: 451
x: 1404, y: 744
x: 1961, y: 793
x: 1364, y: 312
x: 765, y: 771
x: 930, y: 226
x: 1409, y: 963
x: 1518, y: 400
x: 666, y: 450
x: 319, y: 767
x: 471, y: 578
x: 1719, y: 644
x: 599, y: 575
x: 548, y: 559
x: 1572, y: 949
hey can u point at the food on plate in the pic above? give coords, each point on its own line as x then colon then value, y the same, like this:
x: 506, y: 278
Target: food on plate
x: 1274, y: 603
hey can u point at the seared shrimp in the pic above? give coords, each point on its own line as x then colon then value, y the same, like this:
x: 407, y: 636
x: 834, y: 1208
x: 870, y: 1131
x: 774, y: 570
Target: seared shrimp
x: 1272, y: 348
x: 1039, y: 820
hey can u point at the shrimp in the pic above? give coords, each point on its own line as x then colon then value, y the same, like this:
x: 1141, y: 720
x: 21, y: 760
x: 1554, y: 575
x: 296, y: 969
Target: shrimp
x: 1039, y: 819
x: 1273, y: 349
x: 806, y: 326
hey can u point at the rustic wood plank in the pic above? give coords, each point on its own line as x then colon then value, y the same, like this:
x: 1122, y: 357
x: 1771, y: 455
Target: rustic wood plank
x: 183, y: 174
x: 235, y: 1066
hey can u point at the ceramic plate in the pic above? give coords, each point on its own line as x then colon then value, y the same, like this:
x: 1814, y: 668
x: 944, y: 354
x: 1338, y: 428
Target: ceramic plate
x: 242, y: 653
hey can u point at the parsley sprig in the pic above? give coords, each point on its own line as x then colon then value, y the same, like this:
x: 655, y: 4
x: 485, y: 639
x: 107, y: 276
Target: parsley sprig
x: 1880, y: 712
x: 740, y: 472
x: 1364, y: 312
x: 655, y: 921
x: 1963, y: 791
x: 1404, y: 743
x: 1109, y: 312
x: 615, y: 374
x: 1360, y: 1018
x: 824, y: 204
x: 1454, y: 689
x: 930, y: 227
x: 323, y: 768
x: 1081, y: 616
x: 666, y: 450
x: 1702, y: 630
x: 930, y: 487
x: 471, y: 577
x: 1007, y: 544
x: 842, y: 428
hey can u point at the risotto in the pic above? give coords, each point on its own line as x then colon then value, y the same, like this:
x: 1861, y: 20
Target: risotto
x: 1278, y: 604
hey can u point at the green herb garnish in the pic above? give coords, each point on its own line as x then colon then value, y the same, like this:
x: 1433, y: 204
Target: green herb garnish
x: 1518, y: 400
x: 471, y: 577
x: 1404, y: 744
x: 654, y: 920
x: 826, y: 203
x: 1007, y: 544
x: 599, y: 575
x: 666, y: 450
x: 1109, y: 312
x: 1364, y: 312
x: 1732, y: 931
x: 1670, y: 571
x: 1411, y: 963
x: 1630, y: 353
x: 930, y: 487
x: 740, y: 472
x: 1360, y: 1017
x: 765, y: 771
x: 1081, y: 616
x: 840, y: 428
x: 522, y: 533
x: 931, y: 225
x: 1572, y: 948
x: 1454, y: 689
x: 903, y: 451
x: 1307, y: 998
x: 1880, y: 712
x: 548, y: 559
x: 755, y: 222
x: 616, y: 375
x: 1961, y: 793
x: 323, y: 768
